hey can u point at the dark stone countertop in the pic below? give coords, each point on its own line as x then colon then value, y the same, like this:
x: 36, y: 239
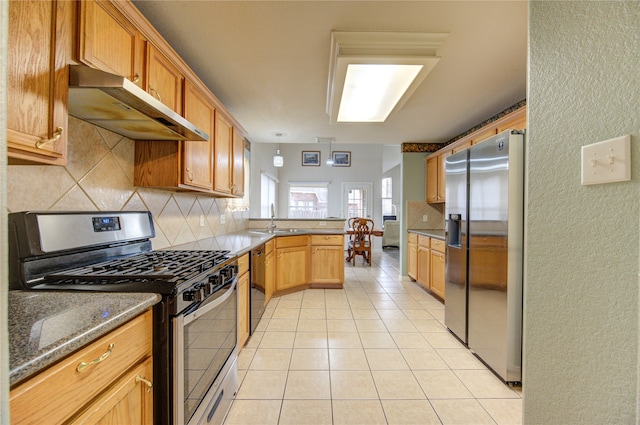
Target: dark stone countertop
x: 45, y: 326
x: 432, y: 233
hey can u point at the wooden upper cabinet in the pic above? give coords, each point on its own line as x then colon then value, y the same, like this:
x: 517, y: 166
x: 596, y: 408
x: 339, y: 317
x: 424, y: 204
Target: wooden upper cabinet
x: 222, y: 148
x: 432, y: 178
x: 164, y: 80
x: 442, y: 187
x: 237, y: 186
x: 110, y: 42
x: 198, y: 156
x: 40, y: 42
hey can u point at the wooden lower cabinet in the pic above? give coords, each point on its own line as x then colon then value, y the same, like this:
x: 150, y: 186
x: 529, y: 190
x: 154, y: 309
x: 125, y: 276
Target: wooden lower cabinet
x: 244, y: 289
x: 269, y: 271
x: 327, y: 259
x: 116, y: 390
x: 292, y: 262
x: 426, y: 263
x: 437, y: 269
x: 424, y: 260
x: 412, y: 256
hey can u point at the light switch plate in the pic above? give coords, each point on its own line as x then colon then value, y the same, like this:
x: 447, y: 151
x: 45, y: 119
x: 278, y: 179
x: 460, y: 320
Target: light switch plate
x: 607, y: 162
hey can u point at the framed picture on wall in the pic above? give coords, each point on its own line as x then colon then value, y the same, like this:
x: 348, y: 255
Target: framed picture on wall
x: 311, y: 158
x: 341, y: 159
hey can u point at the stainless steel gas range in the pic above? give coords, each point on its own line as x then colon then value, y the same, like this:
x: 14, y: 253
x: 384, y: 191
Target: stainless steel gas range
x: 195, y: 324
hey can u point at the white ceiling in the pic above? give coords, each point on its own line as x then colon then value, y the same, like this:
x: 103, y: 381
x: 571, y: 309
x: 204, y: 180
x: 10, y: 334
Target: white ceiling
x: 267, y: 61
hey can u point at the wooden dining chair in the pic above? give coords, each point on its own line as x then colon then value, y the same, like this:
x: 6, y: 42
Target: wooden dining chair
x: 360, y: 243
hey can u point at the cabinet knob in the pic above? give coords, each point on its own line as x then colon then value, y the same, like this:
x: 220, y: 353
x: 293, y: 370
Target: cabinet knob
x: 56, y: 136
x: 136, y: 78
x: 189, y: 174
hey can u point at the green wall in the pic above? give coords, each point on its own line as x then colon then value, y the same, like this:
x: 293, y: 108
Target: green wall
x: 582, y: 242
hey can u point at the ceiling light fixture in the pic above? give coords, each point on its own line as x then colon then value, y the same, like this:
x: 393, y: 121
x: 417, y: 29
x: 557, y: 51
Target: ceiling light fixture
x: 329, y: 140
x: 278, y: 159
x: 372, y: 74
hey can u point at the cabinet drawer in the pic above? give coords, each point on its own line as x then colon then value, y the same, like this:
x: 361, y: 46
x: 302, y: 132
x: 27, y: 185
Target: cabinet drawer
x: 55, y: 394
x: 288, y: 241
x: 437, y: 245
x: 413, y: 238
x: 327, y: 240
x: 424, y: 241
x: 243, y: 264
x: 268, y: 246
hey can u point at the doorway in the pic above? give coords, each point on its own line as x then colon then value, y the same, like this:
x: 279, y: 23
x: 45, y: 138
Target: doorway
x: 357, y: 200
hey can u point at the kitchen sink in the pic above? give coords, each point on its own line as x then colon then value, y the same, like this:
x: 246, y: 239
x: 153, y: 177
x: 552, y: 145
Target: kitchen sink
x: 274, y: 231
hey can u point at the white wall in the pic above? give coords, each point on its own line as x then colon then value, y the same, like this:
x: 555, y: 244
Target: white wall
x: 582, y: 242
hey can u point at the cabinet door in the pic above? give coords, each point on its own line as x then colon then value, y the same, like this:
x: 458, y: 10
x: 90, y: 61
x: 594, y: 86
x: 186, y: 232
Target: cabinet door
x: 269, y: 277
x: 129, y: 401
x: 243, y: 309
x: 442, y: 177
x: 38, y: 80
x: 291, y: 267
x: 164, y: 80
x: 327, y: 264
x: 437, y: 273
x: 412, y: 261
x: 108, y: 41
x: 198, y: 156
x: 424, y: 277
x: 432, y: 179
x: 237, y: 186
x: 222, y: 154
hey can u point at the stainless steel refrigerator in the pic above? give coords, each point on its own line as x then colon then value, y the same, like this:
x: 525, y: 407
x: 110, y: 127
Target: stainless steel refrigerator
x: 484, y: 223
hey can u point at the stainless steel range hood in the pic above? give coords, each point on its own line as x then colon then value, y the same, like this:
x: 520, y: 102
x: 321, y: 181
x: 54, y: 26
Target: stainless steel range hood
x: 115, y: 103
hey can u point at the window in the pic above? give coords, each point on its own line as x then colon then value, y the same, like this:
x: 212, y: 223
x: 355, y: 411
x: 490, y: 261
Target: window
x: 268, y: 185
x: 308, y: 200
x: 387, y: 206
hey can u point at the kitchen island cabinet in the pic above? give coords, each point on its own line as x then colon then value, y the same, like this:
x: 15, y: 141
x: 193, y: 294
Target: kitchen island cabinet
x: 108, y: 381
x: 40, y: 37
x: 292, y: 262
x: 327, y: 260
x: 269, y: 271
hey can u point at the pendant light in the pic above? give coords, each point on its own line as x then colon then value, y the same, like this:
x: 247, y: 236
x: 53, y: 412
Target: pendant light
x: 278, y: 160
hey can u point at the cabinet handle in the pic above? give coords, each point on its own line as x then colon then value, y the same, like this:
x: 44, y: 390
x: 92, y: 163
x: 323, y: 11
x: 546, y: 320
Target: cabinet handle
x: 145, y: 381
x: 56, y: 136
x: 136, y: 78
x: 83, y: 365
x: 189, y: 174
x: 157, y: 95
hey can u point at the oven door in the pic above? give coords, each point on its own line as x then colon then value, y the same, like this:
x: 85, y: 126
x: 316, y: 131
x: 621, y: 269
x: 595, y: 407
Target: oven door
x: 204, y: 347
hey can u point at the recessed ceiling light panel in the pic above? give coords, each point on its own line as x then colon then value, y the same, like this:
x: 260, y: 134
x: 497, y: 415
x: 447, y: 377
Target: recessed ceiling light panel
x: 371, y: 75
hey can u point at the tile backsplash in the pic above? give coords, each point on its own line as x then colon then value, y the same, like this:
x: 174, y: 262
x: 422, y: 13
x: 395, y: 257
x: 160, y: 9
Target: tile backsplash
x: 416, y: 210
x: 99, y: 177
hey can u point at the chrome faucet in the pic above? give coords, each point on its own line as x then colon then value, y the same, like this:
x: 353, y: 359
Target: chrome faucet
x: 272, y: 226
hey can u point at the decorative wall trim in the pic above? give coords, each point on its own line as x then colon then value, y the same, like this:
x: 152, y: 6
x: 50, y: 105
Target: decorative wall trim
x: 433, y: 147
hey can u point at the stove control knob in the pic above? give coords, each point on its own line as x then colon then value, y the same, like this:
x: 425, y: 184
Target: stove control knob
x: 206, y: 288
x: 192, y: 295
x: 216, y: 279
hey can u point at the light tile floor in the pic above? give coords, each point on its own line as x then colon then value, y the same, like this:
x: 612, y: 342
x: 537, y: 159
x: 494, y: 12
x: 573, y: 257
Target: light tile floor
x: 375, y: 352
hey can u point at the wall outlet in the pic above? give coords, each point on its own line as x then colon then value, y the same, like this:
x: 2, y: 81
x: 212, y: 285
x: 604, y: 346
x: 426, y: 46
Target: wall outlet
x: 223, y: 219
x: 201, y: 220
x: 322, y: 223
x: 425, y: 218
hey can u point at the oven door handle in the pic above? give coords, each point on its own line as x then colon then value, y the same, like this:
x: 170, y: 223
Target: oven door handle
x: 213, y: 304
